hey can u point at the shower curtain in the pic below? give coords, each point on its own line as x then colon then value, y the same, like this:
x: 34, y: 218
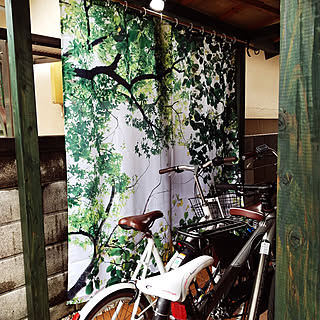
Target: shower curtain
x: 140, y: 94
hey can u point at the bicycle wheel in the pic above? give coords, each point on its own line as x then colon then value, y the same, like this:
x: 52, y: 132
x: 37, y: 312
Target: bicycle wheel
x: 271, y: 299
x: 120, y: 302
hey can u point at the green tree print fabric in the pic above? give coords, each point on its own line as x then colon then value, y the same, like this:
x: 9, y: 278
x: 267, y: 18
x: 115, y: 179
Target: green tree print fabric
x: 140, y: 94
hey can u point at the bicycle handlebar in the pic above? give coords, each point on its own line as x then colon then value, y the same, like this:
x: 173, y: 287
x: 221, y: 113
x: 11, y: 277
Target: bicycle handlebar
x: 177, y: 169
x: 247, y: 187
x: 259, y: 153
x: 217, y: 161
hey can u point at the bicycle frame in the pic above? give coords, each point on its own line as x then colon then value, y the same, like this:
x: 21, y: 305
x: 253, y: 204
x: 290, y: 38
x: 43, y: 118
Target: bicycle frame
x: 265, y: 229
x: 144, y: 263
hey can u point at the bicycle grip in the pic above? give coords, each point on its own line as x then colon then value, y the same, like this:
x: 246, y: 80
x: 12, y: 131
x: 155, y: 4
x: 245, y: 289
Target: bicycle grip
x: 218, y: 161
x: 170, y: 169
x: 249, y: 155
x: 230, y: 160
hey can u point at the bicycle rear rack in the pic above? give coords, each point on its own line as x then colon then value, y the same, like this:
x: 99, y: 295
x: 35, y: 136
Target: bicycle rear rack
x: 211, y: 228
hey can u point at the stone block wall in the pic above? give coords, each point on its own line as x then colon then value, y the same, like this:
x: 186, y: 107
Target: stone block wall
x: 54, y: 191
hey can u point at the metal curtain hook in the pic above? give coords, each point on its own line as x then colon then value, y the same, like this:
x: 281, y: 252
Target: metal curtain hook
x: 126, y: 5
x: 202, y: 29
x: 161, y: 16
x: 234, y: 40
x: 108, y: 3
x: 191, y: 26
x: 224, y: 37
x: 248, y: 46
x: 145, y: 11
x: 177, y: 22
x: 214, y: 34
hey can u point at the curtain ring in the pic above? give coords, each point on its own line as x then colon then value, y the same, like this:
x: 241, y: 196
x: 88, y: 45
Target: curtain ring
x: 145, y: 11
x: 202, y: 29
x: 191, y: 26
x: 224, y: 37
x: 126, y: 6
x: 214, y: 34
x: 177, y: 22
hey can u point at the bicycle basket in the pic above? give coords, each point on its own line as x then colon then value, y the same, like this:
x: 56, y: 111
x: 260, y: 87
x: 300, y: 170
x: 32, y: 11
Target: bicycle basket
x: 227, y: 200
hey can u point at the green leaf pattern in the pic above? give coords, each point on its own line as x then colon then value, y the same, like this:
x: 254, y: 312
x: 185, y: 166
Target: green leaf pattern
x: 138, y: 93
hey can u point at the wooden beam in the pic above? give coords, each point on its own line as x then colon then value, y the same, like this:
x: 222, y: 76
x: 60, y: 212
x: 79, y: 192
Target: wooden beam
x: 37, y: 39
x: 232, y: 11
x: 262, y: 6
x: 298, y: 223
x: 27, y: 153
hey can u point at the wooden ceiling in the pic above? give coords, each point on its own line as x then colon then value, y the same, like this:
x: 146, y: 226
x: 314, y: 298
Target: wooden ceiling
x: 255, y: 22
x: 243, y: 14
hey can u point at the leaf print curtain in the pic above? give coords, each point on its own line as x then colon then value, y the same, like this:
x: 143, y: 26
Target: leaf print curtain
x: 139, y: 94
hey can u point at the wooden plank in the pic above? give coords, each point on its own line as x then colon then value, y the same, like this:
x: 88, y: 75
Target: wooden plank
x: 262, y: 6
x: 232, y: 11
x: 27, y: 153
x: 298, y: 224
x: 52, y: 160
x: 47, y: 144
x: 261, y: 126
x: 37, y: 39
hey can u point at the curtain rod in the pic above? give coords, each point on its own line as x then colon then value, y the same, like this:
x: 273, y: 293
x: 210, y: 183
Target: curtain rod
x: 201, y: 29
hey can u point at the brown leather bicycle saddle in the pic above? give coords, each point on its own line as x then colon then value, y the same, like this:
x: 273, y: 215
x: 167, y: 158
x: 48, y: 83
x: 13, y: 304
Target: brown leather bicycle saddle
x: 140, y: 222
x: 252, y: 212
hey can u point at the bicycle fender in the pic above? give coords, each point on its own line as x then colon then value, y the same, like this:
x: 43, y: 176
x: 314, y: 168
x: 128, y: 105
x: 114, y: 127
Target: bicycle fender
x: 102, y: 294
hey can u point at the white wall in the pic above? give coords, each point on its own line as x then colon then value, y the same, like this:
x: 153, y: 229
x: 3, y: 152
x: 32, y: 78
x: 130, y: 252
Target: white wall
x: 49, y: 115
x: 45, y: 17
x: 262, y: 87
x: 45, y: 20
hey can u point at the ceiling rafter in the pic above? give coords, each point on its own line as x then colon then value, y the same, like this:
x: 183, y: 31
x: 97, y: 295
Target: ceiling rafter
x: 234, y: 10
x: 261, y: 5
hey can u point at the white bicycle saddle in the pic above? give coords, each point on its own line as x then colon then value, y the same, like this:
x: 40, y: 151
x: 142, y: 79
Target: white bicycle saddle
x: 174, y: 285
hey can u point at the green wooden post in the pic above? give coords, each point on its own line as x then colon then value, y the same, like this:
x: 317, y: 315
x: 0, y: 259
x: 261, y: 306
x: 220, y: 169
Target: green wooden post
x: 27, y: 154
x: 298, y: 224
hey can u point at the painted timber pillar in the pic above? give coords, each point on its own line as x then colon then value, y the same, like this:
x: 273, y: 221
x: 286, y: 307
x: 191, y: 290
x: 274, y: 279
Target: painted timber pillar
x: 27, y: 154
x: 298, y: 223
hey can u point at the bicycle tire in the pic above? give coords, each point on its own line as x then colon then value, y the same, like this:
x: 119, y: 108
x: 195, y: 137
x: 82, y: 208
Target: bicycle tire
x: 271, y: 299
x: 106, y: 307
x: 264, y: 291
